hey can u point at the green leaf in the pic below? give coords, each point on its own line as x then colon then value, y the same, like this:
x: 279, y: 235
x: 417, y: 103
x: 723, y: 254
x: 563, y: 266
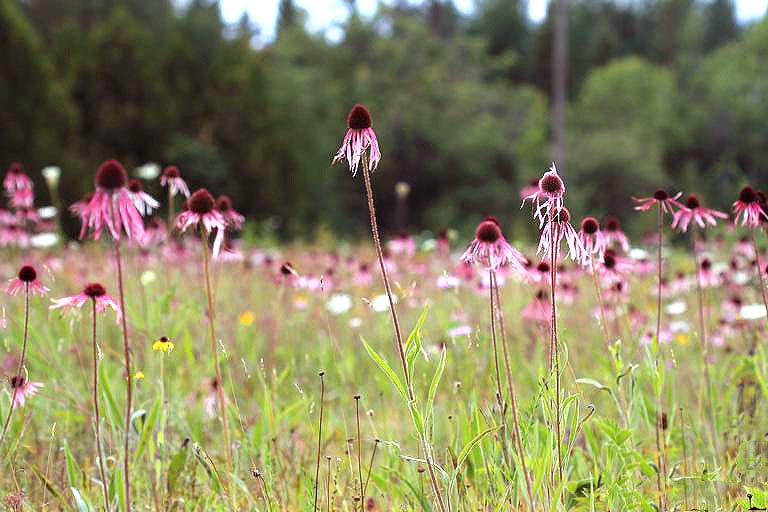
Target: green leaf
x: 384, y: 367
x: 176, y: 466
x: 413, y: 343
x: 80, y: 502
x: 73, y: 472
x: 148, y: 427
x: 433, y: 387
x: 472, y: 443
x: 115, y: 414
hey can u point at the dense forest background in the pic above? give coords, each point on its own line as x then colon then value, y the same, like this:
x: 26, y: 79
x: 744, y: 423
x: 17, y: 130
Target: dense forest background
x: 668, y: 92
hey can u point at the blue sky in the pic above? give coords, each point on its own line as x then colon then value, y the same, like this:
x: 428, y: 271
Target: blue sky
x: 323, y: 14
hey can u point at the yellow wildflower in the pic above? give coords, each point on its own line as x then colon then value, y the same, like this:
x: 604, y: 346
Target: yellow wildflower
x: 139, y: 375
x: 247, y: 318
x: 164, y: 344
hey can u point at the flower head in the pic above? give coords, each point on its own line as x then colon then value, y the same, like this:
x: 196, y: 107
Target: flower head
x: 694, y: 211
x: 614, y: 235
x: 201, y: 212
x: 233, y: 219
x: 592, y: 238
x: 557, y: 229
x: 548, y: 197
x: 662, y: 198
x: 144, y: 202
x: 359, y: 138
x: 16, y: 179
x: 94, y: 292
x: 22, y: 389
x: 748, y: 208
x: 111, y: 205
x: 491, y: 249
x: 172, y: 178
x: 163, y: 344
x: 26, y: 279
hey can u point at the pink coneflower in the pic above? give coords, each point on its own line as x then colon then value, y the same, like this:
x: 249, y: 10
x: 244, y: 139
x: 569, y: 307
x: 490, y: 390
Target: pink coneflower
x: 16, y: 179
x: 402, y: 244
x: 144, y: 202
x: 22, y: 198
x: 613, y: 268
x: 491, y: 249
x: 748, y: 208
x: 359, y: 137
x: 539, y: 310
x: 111, y: 205
x: 172, y: 178
x: 662, y: 198
x: 707, y: 277
x: 27, y: 277
x: 693, y: 211
x: 93, y: 291
x: 201, y: 213
x: 232, y: 218
x: 548, y: 198
x: 541, y: 273
x: 443, y: 243
x: 530, y: 189
x: 557, y: 229
x: 23, y: 389
x: 592, y: 237
x: 614, y: 235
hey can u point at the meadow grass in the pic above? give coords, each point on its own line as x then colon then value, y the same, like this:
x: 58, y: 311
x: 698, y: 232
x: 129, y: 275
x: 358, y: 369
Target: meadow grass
x: 277, y: 331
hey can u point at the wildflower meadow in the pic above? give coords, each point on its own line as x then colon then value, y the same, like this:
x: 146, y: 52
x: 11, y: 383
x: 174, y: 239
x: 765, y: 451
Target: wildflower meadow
x: 161, y: 362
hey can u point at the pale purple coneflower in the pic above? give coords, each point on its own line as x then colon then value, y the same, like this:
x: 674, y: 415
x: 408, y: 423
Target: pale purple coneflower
x: 491, y: 249
x: 144, y: 202
x: 694, y: 212
x: 23, y: 389
x: 557, y: 229
x: 539, y: 310
x: 613, y: 268
x: 172, y: 179
x: 110, y: 205
x: 359, y: 138
x: 661, y: 197
x: 92, y: 291
x: 16, y: 179
x: 232, y: 218
x: 748, y: 208
x: 613, y: 234
x: 26, y: 280
x: 201, y: 213
x: 592, y: 238
x: 22, y: 198
x: 548, y: 197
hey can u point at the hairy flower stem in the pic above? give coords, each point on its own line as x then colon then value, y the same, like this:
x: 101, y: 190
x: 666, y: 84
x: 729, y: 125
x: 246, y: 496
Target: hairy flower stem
x: 499, y: 394
x: 359, y: 453
x: 396, y: 323
x: 21, y: 361
x: 554, y: 344
x: 704, y: 345
x: 319, y: 438
x: 215, y: 348
x: 127, y: 361
x: 170, y: 209
x: 660, y: 472
x: 96, y: 412
x: 517, y: 438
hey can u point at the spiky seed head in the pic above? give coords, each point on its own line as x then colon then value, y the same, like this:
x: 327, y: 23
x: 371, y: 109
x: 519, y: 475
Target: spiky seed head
x: 359, y: 117
x: 111, y: 175
x: 27, y: 273
x: 201, y: 202
x: 748, y: 195
x: 94, y: 290
x: 488, y: 231
x: 135, y: 186
x: 661, y: 194
x: 692, y: 202
x: 590, y: 225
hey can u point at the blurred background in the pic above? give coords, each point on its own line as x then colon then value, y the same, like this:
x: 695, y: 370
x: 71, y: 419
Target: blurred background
x: 471, y: 100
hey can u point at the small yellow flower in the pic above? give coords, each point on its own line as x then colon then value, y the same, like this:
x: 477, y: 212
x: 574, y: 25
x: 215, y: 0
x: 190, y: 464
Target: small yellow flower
x: 164, y: 344
x: 139, y: 375
x: 682, y: 339
x: 247, y: 318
